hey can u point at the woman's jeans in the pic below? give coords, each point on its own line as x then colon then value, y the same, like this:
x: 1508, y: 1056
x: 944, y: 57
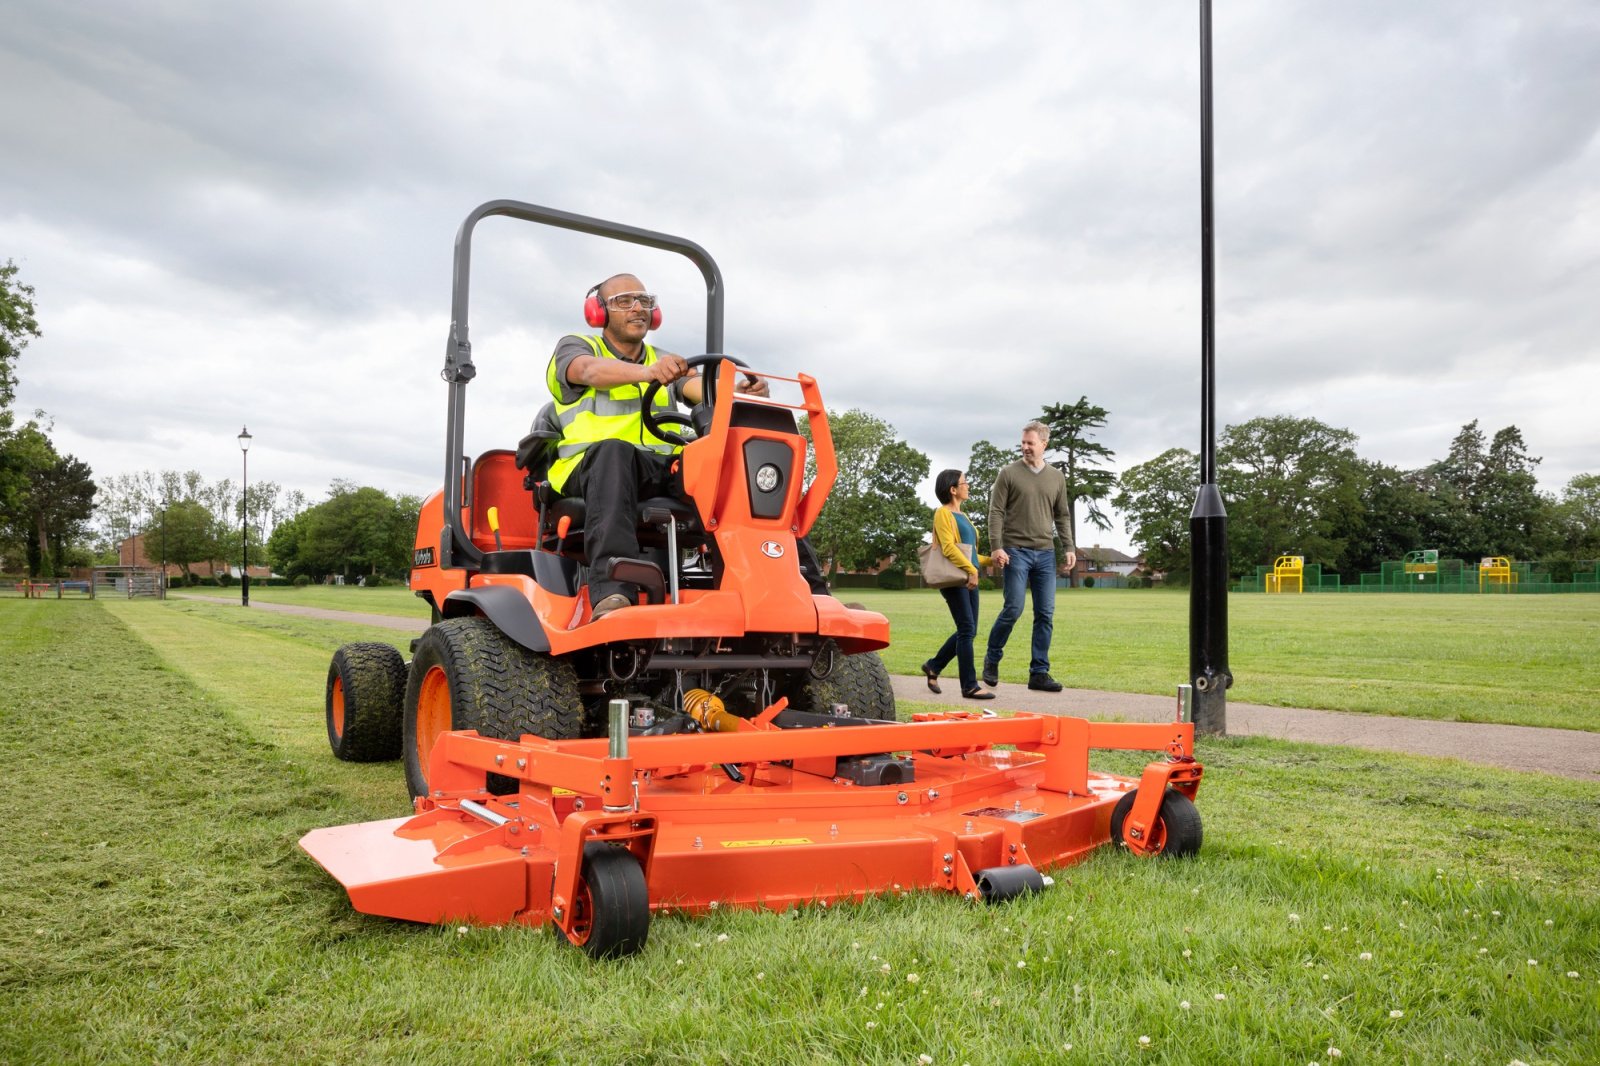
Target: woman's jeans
x: 963, y: 603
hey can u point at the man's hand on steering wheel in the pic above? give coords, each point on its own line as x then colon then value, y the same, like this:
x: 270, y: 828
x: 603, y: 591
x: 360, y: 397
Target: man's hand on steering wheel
x: 656, y: 419
x: 667, y: 368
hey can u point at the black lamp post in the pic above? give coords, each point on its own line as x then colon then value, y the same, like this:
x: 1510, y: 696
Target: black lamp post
x: 244, y: 519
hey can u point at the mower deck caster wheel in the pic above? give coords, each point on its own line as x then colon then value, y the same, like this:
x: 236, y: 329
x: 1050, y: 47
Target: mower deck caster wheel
x: 1000, y: 883
x: 1177, y: 831
x: 611, y: 915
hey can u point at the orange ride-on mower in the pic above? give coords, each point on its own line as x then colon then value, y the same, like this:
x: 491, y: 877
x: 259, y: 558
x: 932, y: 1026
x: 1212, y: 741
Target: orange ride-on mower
x: 730, y: 741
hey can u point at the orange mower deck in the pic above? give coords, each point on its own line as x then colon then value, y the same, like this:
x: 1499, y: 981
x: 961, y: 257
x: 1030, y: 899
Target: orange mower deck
x: 756, y: 817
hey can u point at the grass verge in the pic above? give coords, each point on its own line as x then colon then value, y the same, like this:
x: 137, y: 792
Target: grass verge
x: 162, y: 762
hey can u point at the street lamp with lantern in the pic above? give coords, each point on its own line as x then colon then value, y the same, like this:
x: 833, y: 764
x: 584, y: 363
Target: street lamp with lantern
x: 244, y: 519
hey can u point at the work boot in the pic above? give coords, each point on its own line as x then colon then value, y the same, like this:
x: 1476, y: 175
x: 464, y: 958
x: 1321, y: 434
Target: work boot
x: 1043, y: 683
x: 614, y: 602
x: 991, y: 673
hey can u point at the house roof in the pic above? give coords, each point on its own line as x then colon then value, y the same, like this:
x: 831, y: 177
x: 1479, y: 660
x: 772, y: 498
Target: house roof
x: 1106, y: 555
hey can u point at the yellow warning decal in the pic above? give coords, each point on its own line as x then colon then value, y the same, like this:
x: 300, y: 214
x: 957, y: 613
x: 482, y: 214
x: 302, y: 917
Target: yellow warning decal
x: 559, y: 791
x: 780, y: 842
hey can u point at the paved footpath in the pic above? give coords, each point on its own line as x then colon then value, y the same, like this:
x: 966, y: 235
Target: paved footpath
x: 1565, y: 752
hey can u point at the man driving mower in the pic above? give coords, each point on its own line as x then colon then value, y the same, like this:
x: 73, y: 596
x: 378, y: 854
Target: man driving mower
x: 606, y: 454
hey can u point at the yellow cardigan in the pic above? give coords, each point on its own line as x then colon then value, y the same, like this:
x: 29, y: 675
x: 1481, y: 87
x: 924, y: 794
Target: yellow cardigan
x: 944, y: 533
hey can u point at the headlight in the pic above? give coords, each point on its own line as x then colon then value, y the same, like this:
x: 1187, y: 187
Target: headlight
x: 767, y: 477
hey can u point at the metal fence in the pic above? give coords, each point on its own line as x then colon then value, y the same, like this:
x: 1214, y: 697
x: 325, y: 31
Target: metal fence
x: 1495, y: 576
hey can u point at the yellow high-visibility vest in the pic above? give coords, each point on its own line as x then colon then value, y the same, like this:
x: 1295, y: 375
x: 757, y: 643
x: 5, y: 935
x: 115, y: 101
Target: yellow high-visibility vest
x: 602, y: 414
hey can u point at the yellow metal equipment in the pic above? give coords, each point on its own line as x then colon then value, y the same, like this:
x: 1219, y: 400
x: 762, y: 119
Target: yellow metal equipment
x: 1287, y: 570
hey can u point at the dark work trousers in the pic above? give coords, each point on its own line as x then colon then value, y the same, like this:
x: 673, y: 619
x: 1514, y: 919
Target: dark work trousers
x: 963, y: 604
x: 612, y: 477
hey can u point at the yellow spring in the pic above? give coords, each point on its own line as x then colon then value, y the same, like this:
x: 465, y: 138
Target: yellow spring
x: 708, y: 710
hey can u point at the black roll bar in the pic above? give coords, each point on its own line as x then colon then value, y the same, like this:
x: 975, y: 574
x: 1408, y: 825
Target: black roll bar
x: 455, y: 546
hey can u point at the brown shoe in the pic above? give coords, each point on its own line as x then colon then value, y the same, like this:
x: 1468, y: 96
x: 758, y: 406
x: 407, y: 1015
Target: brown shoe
x: 613, y: 602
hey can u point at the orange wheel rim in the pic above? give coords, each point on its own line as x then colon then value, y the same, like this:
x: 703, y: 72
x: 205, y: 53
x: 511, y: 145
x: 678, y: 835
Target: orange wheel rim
x: 1158, y: 837
x: 582, y: 925
x: 338, y: 705
x: 433, y: 713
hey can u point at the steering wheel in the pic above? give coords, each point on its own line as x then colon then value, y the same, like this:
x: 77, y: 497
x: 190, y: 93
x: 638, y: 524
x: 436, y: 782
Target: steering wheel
x: 656, y: 420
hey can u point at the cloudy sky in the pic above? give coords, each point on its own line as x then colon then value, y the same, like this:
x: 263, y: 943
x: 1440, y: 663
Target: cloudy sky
x: 950, y: 214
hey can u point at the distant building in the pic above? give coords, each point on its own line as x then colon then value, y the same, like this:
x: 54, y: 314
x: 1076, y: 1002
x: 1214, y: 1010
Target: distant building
x: 136, y: 551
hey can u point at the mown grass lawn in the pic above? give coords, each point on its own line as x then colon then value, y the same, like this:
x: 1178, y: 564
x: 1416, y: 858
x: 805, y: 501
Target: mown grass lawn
x: 161, y: 760
x: 1519, y: 660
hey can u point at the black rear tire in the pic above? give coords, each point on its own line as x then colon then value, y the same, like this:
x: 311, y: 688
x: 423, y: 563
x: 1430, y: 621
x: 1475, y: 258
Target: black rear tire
x: 362, y: 702
x: 1178, y: 832
x: 611, y: 916
x: 467, y: 674
x: 859, y: 681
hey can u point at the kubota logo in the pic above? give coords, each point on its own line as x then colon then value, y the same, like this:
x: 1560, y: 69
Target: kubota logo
x: 772, y: 549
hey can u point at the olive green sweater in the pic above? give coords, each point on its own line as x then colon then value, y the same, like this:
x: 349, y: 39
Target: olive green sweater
x: 1023, y: 506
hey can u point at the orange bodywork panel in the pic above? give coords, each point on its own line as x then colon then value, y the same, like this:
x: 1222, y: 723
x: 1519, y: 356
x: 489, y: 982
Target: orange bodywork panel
x: 1016, y: 790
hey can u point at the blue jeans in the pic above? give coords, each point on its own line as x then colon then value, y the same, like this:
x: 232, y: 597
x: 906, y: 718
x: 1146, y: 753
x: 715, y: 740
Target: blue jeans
x: 1029, y: 569
x: 963, y: 603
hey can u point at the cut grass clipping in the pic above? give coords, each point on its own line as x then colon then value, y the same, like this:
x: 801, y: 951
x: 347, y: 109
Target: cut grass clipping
x: 162, y: 760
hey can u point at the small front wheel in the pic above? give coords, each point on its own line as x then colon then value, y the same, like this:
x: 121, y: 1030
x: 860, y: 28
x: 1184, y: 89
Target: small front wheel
x: 1176, y: 833
x: 611, y: 914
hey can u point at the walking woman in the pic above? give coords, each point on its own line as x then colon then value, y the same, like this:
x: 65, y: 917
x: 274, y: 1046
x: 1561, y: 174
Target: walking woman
x: 956, y: 537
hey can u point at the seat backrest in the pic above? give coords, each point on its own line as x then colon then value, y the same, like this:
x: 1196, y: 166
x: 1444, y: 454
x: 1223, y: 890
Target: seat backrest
x: 496, y: 482
x: 537, y: 450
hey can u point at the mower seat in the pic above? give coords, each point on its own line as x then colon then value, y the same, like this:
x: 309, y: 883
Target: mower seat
x: 537, y: 450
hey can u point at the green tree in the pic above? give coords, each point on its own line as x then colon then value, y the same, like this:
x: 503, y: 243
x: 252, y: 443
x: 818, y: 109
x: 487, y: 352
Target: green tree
x: 983, y: 467
x: 873, y: 511
x: 358, y: 530
x: 17, y: 326
x: 190, y: 531
x: 1292, y: 486
x: 46, y: 499
x: 1394, y: 514
x: 1156, y: 498
x: 1575, y: 519
x: 1071, y: 427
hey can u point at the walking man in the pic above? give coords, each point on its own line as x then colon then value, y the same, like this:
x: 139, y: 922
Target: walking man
x: 1028, y: 500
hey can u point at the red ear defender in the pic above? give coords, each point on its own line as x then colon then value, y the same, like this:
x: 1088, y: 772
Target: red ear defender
x: 594, y: 312
x: 655, y: 317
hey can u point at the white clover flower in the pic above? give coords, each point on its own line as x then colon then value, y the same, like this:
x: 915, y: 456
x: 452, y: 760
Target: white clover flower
x: 1184, y: 1005
x: 1533, y: 962
x: 461, y: 930
x: 1327, y: 929
x: 1365, y: 956
x: 885, y: 968
x: 855, y: 945
x: 1397, y: 1014
x: 1325, y: 977
x: 872, y: 1025
x: 1572, y: 973
x: 1187, y: 953
x: 761, y: 975
x: 1548, y: 922
x: 925, y: 1060
x: 722, y: 938
x: 879, y: 1006
x: 912, y: 978
x: 1111, y: 951
x: 1066, y: 1047
x: 863, y: 992
x: 1495, y: 913
x: 1334, y: 1053
x: 1294, y: 917
x: 1144, y: 1041
x: 1483, y: 951
x: 1022, y: 964
x: 680, y: 962
x: 1220, y: 996
x: 1517, y: 1062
